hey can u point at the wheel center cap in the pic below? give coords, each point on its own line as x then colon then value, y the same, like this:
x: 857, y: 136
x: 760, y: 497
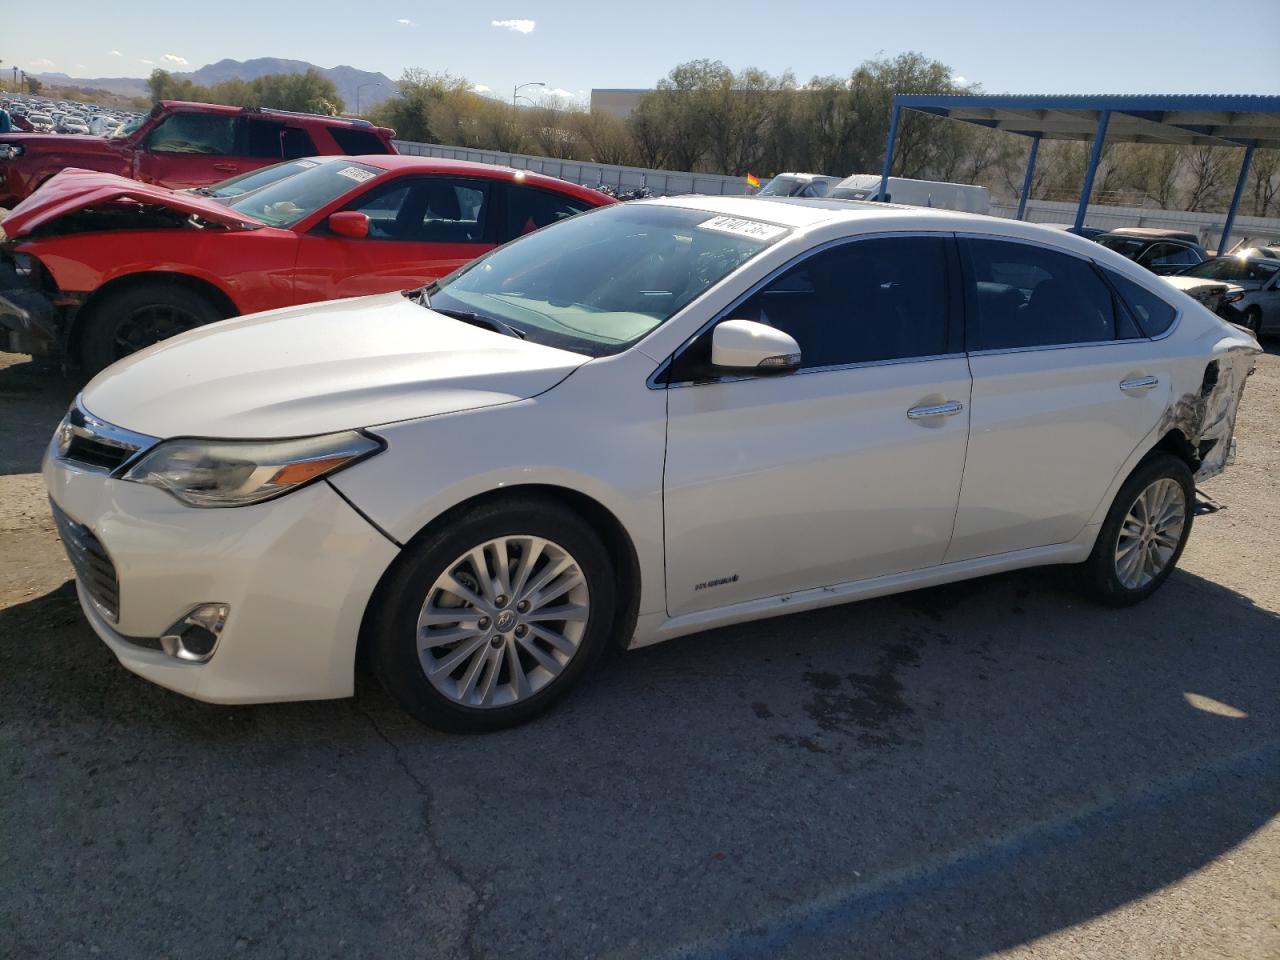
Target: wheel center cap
x: 506, y: 620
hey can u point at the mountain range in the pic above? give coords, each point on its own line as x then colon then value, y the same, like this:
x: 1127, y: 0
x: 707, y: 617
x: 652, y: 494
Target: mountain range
x: 346, y: 79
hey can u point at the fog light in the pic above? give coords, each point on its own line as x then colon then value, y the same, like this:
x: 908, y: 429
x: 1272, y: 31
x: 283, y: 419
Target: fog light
x: 195, y: 636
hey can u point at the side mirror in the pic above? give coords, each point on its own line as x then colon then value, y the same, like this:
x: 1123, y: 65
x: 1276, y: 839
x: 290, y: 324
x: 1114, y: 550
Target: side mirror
x: 745, y: 345
x: 349, y: 223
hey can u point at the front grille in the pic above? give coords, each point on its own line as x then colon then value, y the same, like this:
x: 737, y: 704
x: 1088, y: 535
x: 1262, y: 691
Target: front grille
x: 85, y: 440
x: 94, y: 569
x: 95, y: 453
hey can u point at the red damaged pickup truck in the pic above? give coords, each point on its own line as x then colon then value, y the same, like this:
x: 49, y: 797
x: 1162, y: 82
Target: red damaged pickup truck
x: 183, y: 144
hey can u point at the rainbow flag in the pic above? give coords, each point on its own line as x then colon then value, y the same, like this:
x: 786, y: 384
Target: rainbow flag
x: 753, y: 180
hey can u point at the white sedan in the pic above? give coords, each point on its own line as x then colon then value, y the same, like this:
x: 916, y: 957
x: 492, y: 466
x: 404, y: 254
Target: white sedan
x: 641, y: 422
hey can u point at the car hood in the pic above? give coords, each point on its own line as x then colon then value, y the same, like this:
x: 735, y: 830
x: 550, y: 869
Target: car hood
x: 320, y: 368
x: 74, y: 189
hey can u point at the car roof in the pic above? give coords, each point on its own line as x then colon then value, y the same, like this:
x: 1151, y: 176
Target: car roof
x: 867, y: 216
x: 198, y: 107
x: 1153, y: 233
x: 398, y: 162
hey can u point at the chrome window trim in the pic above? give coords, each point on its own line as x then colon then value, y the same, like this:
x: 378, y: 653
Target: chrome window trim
x: 1036, y: 242
x: 651, y: 380
x: 81, y: 423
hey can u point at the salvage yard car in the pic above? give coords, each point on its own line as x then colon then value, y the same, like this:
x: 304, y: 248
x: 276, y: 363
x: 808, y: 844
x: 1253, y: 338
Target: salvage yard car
x: 642, y: 422
x: 103, y: 266
x: 1160, y: 251
x: 180, y: 144
x: 1257, y: 303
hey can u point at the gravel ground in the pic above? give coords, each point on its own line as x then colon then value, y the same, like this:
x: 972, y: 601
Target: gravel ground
x: 994, y: 768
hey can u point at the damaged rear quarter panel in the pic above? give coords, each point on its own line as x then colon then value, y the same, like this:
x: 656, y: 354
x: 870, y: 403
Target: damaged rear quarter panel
x: 1206, y: 416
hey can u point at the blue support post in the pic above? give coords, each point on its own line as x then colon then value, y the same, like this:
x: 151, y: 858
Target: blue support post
x: 1235, y: 198
x: 888, y: 152
x: 1026, y: 180
x: 1104, y: 118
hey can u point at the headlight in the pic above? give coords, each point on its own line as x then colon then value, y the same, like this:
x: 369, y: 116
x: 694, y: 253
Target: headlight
x: 10, y: 150
x: 233, y: 473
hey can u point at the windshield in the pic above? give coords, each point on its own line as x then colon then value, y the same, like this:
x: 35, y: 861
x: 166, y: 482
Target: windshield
x: 782, y: 187
x: 126, y: 128
x: 602, y: 280
x: 257, y: 179
x: 1236, y: 269
x: 284, y: 203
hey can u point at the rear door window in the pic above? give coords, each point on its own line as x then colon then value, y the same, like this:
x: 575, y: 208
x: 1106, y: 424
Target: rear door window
x: 1021, y: 295
x: 273, y: 139
x: 355, y: 141
x: 1153, y: 314
x: 530, y: 209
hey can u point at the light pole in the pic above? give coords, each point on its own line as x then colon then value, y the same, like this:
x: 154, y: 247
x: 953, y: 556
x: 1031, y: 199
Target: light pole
x: 367, y: 83
x: 515, y: 92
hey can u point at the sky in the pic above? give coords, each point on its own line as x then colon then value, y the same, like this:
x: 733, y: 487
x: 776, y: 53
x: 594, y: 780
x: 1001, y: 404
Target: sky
x: 1066, y: 46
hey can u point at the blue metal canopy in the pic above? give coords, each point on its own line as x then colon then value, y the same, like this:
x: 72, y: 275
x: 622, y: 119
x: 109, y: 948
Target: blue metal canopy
x: 1188, y: 120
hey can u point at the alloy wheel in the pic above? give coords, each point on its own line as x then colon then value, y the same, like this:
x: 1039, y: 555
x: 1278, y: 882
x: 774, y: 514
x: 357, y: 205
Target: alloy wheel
x: 151, y: 324
x: 1150, y: 533
x: 503, y: 621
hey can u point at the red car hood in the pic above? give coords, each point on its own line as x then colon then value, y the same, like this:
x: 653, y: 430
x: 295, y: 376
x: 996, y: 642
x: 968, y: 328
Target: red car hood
x: 74, y: 189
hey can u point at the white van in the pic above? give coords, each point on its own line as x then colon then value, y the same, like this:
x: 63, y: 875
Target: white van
x: 918, y: 193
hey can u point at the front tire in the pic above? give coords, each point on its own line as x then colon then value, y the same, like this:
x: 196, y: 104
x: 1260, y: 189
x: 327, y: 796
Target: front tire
x: 1144, y: 533
x: 125, y: 321
x: 490, y: 620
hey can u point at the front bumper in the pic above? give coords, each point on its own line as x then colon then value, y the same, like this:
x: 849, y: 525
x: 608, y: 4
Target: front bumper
x: 297, y: 574
x: 28, y: 316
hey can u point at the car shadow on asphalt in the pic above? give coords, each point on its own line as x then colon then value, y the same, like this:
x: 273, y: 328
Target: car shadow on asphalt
x: 33, y: 398
x: 944, y: 773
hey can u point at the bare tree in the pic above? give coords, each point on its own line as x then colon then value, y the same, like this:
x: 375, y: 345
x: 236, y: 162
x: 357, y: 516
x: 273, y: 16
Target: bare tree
x: 1207, y: 174
x: 1265, y: 180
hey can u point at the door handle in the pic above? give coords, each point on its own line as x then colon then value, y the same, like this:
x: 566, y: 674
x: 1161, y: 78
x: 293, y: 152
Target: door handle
x: 1139, y: 383
x: 225, y: 167
x: 948, y: 409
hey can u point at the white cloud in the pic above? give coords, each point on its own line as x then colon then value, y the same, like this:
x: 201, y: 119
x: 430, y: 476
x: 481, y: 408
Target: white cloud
x: 41, y: 63
x: 558, y: 92
x: 404, y: 22
x: 481, y: 88
x: 174, y: 59
x: 958, y: 80
x: 147, y: 62
x: 516, y: 26
x: 81, y: 66
x: 116, y: 53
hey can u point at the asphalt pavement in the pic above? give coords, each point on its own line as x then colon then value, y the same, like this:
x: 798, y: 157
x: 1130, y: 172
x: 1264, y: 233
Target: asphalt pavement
x: 996, y: 767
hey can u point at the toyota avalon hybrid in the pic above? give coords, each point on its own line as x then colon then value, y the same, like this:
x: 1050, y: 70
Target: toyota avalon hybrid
x: 645, y: 421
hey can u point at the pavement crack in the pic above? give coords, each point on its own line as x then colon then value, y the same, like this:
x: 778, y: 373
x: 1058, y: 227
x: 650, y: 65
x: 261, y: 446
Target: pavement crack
x: 476, y: 905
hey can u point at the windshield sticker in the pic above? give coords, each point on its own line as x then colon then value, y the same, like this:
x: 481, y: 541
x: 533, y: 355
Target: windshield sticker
x: 751, y: 229
x: 357, y: 174
x: 307, y: 164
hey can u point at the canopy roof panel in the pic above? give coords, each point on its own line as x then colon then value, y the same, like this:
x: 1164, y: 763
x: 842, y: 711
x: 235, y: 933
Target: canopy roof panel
x: 1195, y: 119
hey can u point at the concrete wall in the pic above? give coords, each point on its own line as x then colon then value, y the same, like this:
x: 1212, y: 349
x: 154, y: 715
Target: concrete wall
x: 673, y: 182
x: 1207, y: 225
x: 662, y: 182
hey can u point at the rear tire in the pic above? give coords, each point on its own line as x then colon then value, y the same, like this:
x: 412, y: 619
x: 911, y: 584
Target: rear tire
x: 493, y: 654
x: 125, y: 321
x: 1253, y: 320
x: 1144, y: 533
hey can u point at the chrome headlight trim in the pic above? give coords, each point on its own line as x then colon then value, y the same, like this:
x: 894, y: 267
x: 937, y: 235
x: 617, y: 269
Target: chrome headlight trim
x: 80, y: 424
